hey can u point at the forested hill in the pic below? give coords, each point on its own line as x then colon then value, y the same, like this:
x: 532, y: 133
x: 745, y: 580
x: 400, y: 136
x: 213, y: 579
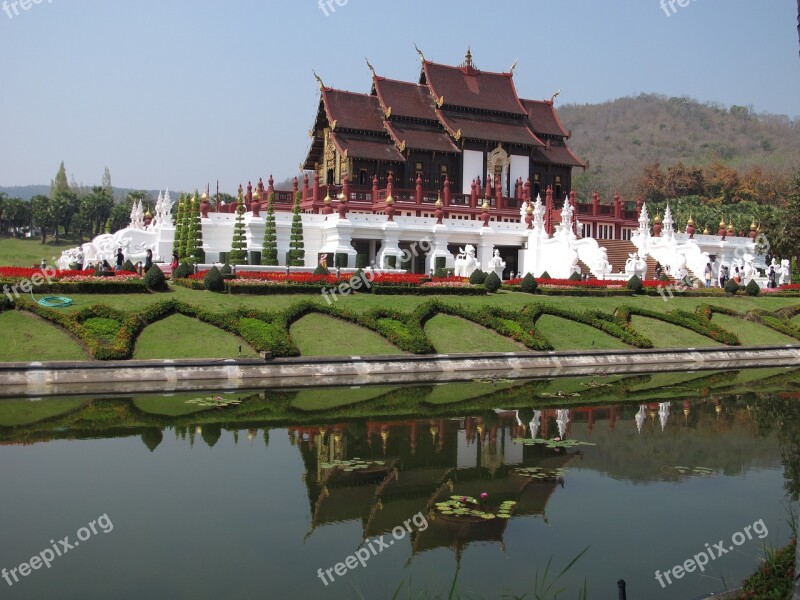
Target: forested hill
x: 618, y: 138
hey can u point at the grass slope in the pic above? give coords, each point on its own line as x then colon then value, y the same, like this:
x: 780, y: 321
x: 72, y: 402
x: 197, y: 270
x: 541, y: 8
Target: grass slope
x: 24, y: 412
x: 320, y: 335
x: 751, y: 334
x: 181, y: 337
x: 666, y: 335
x: 568, y: 335
x: 28, y: 338
x: 454, y: 334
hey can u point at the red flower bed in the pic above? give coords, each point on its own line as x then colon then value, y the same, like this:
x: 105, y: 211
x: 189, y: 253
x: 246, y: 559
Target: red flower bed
x: 789, y: 286
x: 28, y: 273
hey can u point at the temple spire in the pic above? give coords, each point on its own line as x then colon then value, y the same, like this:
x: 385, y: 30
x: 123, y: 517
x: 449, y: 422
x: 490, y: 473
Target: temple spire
x: 468, y: 58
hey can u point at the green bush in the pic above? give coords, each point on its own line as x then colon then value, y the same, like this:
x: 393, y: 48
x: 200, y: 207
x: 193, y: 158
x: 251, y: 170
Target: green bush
x: 478, y: 277
x: 731, y: 286
x: 364, y: 289
x: 183, y: 271
x: 752, y: 288
x: 320, y: 270
x: 214, y: 281
x: 492, y: 283
x: 635, y: 284
x: 129, y: 266
x: 576, y: 277
x: 664, y: 277
x: 226, y: 271
x: 440, y: 262
x: 361, y: 261
x: 529, y: 284
x: 155, y: 280
x: 545, y: 275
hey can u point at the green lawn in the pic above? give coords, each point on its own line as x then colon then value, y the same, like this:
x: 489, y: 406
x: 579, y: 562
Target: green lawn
x: 320, y: 335
x: 666, y: 335
x: 459, y: 392
x: 453, y: 334
x: 28, y: 338
x: 30, y: 252
x: 568, y: 335
x: 182, y: 337
x: 327, y: 398
x: 752, y: 334
x: 172, y: 406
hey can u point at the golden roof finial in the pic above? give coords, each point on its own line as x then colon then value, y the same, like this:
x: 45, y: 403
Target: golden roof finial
x: 421, y: 55
x: 370, y: 67
x: 319, y: 79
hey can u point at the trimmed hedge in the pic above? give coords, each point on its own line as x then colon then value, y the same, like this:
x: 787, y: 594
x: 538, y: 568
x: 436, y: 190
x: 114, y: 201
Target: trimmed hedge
x: 492, y: 282
x: 213, y: 280
x: 397, y: 290
x: 184, y: 270
x: 682, y: 318
x: 155, y: 280
x: 528, y: 284
x: 731, y: 286
x: 752, y: 288
x: 478, y: 277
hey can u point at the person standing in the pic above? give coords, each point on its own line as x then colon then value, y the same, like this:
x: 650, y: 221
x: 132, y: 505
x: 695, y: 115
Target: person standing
x: 148, y: 261
x: 708, y: 274
x: 120, y: 259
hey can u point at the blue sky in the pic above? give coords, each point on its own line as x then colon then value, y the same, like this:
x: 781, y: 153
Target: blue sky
x: 179, y: 93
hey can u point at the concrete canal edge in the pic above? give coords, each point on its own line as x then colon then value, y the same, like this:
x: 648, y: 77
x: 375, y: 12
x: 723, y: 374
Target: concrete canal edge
x: 40, y: 379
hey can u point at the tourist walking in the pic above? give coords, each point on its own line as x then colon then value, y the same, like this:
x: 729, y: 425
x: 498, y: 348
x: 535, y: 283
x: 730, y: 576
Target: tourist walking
x: 709, y: 274
x: 658, y: 270
x: 120, y: 259
x: 772, y: 277
x: 174, y: 264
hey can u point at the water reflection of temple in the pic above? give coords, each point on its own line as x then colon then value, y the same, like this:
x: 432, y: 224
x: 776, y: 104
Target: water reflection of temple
x: 427, y: 461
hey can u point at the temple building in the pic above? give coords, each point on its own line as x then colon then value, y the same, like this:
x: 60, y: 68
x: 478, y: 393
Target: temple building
x: 458, y: 129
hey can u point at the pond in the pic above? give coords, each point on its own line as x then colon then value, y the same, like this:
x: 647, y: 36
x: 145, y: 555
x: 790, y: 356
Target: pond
x: 356, y: 492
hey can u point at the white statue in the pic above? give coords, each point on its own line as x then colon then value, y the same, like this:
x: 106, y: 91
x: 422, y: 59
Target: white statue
x: 785, y: 273
x: 635, y: 265
x: 749, y: 269
x: 523, y: 210
x: 602, y: 266
x: 496, y: 265
x: 466, y: 263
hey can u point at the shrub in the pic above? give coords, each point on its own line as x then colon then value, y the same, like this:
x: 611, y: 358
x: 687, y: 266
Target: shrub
x: 364, y: 289
x: 529, y: 284
x: 440, y: 273
x: 635, y: 284
x: 214, y: 281
x: 492, y: 283
x: 664, y: 277
x: 752, y: 288
x: 129, y: 266
x: 361, y: 261
x: 184, y: 270
x: 576, y: 277
x: 440, y: 262
x: 478, y: 277
x: 731, y: 286
x: 320, y: 270
x: 155, y: 280
x: 545, y: 275
x: 226, y: 271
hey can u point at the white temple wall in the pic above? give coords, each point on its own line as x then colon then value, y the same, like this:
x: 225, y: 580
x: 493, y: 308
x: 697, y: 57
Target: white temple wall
x: 472, y: 167
x: 520, y: 167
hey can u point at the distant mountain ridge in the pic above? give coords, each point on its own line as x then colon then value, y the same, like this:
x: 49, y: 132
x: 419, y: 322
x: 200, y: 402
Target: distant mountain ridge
x: 26, y: 192
x: 621, y: 136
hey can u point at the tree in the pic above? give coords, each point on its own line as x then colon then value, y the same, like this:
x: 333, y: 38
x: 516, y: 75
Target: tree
x: 40, y: 214
x: 16, y: 214
x: 785, y: 241
x: 238, y: 254
x: 186, y: 246
x: 178, y: 237
x: 297, y: 253
x: 195, y: 252
x: 269, y: 251
x: 60, y: 183
x: 106, y: 183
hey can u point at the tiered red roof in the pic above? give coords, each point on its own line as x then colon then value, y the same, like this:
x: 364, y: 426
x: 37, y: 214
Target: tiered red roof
x: 543, y: 118
x: 468, y: 87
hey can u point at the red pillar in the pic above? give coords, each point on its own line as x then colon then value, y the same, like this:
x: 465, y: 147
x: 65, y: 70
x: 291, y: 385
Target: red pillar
x: 446, y: 190
x: 419, y: 189
x: 305, y: 186
x: 315, y: 189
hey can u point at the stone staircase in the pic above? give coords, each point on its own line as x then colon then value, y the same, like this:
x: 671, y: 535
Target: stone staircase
x: 618, y: 253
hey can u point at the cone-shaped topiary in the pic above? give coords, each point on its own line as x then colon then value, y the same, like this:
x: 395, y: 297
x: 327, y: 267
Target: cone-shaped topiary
x: 664, y: 277
x: 155, y: 280
x: 297, y: 253
x: 269, y: 249
x: 186, y: 246
x: 576, y: 277
x: 214, y: 281
x: 731, y: 286
x: 320, y: 270
x: 183, y: 271
x: 227, y: 271
x: 752, y: 288
x: 194, y: 243
x: 129, y: 266
x: 238, y: 255
x: 492, y: 282
x: 177, y: 240
x: 635, y: 284
x: 478, y: 277
x: 545, y: 275
x: 529, y: 285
